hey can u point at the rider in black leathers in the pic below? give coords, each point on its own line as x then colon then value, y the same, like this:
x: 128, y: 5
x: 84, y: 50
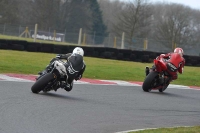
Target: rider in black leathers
x: 75, y: 66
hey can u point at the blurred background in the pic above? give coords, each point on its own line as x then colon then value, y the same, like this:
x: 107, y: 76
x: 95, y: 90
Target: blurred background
x: 131, y: 24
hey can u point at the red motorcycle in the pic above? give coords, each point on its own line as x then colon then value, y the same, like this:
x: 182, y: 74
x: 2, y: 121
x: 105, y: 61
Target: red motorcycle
x: 159, y: 76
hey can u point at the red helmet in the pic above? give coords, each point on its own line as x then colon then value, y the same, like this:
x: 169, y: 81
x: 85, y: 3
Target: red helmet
x: 179, y: 50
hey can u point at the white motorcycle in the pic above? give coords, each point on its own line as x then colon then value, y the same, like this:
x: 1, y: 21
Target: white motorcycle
x: 53, y: 79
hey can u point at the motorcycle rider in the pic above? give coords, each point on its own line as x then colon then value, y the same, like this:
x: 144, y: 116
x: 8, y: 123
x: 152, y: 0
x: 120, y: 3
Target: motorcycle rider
x: 167, y: 56
x: 75, y: 67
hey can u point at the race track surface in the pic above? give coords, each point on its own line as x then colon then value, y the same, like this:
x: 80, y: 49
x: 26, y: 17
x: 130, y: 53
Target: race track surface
x: 92, y: 108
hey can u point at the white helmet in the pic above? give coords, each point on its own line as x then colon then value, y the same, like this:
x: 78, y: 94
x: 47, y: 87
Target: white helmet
x: 78, y: 50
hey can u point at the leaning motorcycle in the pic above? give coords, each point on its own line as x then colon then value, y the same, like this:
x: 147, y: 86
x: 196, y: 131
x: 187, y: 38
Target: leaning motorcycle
x: 159, y: 76
x: 52, y: 79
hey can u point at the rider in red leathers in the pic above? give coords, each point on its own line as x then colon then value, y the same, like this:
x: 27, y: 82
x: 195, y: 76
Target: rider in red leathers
x: 166, y: 57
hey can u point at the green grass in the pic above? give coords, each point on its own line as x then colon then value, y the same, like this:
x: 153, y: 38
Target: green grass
x: 195, y: 129
x: 33, y: 62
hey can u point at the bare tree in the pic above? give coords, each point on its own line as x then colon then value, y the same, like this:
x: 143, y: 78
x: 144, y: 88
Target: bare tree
x: 194, y: 28
x: 78, y: 16
x: 173, y: 24
x: 110, y: 10
x: 8, y: 11
x: 134, y: 20
x: 64, y: 14
x: 25, y: 13
x: 45, y: 13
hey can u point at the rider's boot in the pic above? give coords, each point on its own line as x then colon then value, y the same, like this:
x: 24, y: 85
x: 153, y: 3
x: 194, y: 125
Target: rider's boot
x: 147, y: 70
x: 69, y: 85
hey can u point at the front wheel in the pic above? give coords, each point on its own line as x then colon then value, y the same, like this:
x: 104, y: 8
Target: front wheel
x: 149, y: 81
x: 42, y: 82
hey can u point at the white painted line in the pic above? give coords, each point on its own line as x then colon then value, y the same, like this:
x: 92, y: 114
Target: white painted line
x: 81, y: 82
x: 178, y: 87
x: 181, y: 86
x: 135, y: 130
x: 120, y: 82
x: 8, y: 78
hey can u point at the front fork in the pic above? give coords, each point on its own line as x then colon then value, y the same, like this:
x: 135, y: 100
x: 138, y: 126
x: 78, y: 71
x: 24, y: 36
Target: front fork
x: 55, y: 83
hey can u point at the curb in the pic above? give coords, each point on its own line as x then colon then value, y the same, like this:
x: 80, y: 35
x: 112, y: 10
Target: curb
x: 31, y: 78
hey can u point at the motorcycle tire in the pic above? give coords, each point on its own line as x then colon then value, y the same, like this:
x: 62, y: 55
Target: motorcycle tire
x: 149, y: 81
x: 42, y: 82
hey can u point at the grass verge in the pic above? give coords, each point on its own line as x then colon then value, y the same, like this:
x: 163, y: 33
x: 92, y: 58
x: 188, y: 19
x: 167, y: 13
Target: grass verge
x: 195, y: 129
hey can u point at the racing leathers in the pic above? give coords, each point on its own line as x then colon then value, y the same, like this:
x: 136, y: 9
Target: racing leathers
x: 181, y: 63
x: 75, y: 67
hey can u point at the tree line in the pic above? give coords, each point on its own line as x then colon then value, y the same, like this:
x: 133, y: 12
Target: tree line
x: 171, y: 22
x: 69, y: 15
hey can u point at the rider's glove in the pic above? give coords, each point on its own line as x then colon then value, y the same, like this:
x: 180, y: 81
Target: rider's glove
x: 78, y: 77
x: 58, y: 56
x: 158, y: 57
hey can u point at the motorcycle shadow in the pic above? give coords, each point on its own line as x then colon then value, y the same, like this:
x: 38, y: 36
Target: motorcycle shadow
x: 167, y: 94
x: 61, y: 96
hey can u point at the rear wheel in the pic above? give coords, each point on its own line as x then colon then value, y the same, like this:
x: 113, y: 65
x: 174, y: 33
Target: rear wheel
x: 42, y: 82
x: 149, y: 81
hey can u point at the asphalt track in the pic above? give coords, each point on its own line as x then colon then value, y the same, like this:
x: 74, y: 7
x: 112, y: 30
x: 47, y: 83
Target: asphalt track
x: 94, y: 109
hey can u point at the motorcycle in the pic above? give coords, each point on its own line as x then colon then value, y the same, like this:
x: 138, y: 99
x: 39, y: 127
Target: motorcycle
x: 159, y: 76
x: 53, y: 79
